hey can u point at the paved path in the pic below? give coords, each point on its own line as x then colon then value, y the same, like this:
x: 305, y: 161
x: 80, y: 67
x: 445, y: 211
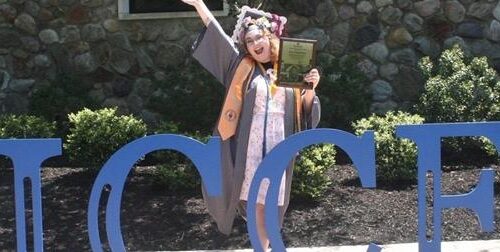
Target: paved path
x: 457, y: 246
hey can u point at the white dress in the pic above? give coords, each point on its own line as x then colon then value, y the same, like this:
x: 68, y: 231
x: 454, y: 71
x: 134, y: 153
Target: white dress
x: 275, y: 133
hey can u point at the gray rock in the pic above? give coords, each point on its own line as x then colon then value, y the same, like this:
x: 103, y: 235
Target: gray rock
x: 381, y: 108
x: 364, y: 36
x: 382, y: 3
x: 364, y: 7
x: 101, y: 53
x: 9, y: 37
x: 119, y: 103
x: 317, y: 34
x: 470, y: 29
x: 409, y: 84
x: 70, y: 33
x: 111, y: 25
x: 45, y: 15
x: 32, y: 8
x: 399, y: 37
x: 456, y: 40
x: 144, y: 60
x: 85, y: 63
x: 160, y: 76
x: 20, y: 53
x: 388, y: 71
x: 381, y: 90
x: 120, y: 40
x: 480, y: 10
x: 173, y: 30
x: 48, y: 36
x: 21, y: 85
x: 42, y: 60
x: 4, y: 79
x: 427, y: 8
x: 454, y: 11
x: 91, y: 3
x: 93, y: 32
x: 31, y: 44
x: 495, y: 30
x: 149, y: 117
x: 482, y: 47
x: 8, y: 12
x: 170, y: 54
x: 368, y: 68
x: 143, y: 87
x: 404, y: 56
x: 26, y: 23
x: 122, y: 87
x: 97, y: 95
x: 405, y: 4
x: 340, y: 37
x: 346, y: 12
x: 121, y: 60
x: 15, y: 103
x: 413, y: 22
x: 297, y: 23
x: 391, y: 15
x: 3, y: 63
x: 151, y: 33
x: 427, y: 46
x: 376, y: 51
x: 135, y: 104
x: 303, y: 8
x: 326, y: 13
x: 496, y: 11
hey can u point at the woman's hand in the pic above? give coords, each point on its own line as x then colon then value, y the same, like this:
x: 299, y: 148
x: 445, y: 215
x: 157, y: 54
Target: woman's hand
x: 312, y: 77
x: 204, y: 13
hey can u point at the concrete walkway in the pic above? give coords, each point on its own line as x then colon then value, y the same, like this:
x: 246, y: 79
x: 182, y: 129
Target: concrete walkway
x: 457, y: 246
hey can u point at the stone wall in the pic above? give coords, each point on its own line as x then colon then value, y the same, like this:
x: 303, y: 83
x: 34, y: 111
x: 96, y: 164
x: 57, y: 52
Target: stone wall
x: 40, y: 40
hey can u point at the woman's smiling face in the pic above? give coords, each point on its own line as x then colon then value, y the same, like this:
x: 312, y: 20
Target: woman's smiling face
x: 258, y: 45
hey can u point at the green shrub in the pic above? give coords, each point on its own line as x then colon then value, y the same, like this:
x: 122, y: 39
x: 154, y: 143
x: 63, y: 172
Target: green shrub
x: 190, y: 96
x: 95, y: 135
x: 342, y: 90
x: 310, y: 179
x: 25, y: 126
x: 460, y: 89
x: 175, y: 171
x: 396, y: 157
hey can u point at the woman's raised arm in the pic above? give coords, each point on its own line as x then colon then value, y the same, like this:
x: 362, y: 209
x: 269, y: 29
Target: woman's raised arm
x: 203, y: 11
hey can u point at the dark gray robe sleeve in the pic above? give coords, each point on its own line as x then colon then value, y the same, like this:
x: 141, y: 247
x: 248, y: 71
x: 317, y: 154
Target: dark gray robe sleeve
x: 217, y: 52
x: 311, y: 120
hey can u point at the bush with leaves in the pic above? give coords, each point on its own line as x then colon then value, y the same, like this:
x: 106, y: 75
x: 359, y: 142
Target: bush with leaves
x: 310, y: 179
x: 460, y: 89
x: 342, y: 90
x: 95, y: 135
x: 175, y: 171
x: 396, y: 157
x: 24, y: 126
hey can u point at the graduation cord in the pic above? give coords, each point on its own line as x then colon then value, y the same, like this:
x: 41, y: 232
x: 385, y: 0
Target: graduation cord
x: 264, y: 141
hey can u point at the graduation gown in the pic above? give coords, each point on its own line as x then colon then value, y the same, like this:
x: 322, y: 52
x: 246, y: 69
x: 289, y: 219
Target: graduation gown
x: 217, y: 53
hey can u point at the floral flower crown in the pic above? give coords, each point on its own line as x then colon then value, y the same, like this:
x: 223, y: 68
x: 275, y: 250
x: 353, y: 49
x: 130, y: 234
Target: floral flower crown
x: 263, y: 20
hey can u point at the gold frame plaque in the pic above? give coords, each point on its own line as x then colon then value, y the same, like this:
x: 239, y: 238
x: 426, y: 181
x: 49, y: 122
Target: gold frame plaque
x: 296, y: 58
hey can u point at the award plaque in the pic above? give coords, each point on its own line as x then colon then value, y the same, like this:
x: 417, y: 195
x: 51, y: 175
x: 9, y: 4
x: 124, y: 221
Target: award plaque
x: 296, y: 58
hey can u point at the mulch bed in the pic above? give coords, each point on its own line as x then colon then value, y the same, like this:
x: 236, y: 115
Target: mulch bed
x: 154, y: 219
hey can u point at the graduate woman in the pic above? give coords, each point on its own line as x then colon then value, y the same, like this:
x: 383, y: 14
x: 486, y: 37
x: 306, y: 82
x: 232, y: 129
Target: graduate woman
x: 256, y: 114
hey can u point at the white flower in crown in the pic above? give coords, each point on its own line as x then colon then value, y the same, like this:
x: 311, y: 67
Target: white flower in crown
x: 274, y: 23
